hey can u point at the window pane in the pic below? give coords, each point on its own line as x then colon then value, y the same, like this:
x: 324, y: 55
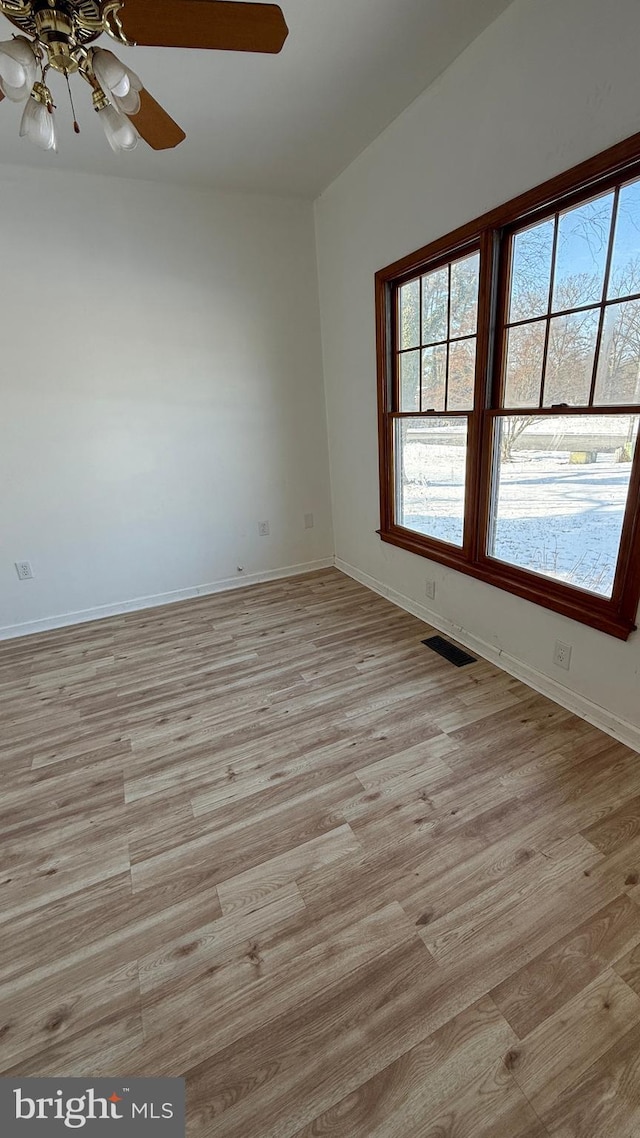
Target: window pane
x: 531, y: 271
x: 464, y: 296
x: 583, y: 241
x: 572, y: 346
x: 435, y: 302
x: 409, y: 315
x: 618, y: 379
x: 561, y: 492
x: 525, y: 355
x: 624, y: 279
x: 434, y: 377
x: 409, y: 381
x: 431, y: 456
x: 462, y: 375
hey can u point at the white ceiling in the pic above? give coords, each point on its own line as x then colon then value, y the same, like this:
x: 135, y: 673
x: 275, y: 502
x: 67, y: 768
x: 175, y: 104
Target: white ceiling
x: 283, y: 124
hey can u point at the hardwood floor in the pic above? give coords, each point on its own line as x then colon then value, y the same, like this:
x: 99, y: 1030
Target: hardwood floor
x: 269, y: 841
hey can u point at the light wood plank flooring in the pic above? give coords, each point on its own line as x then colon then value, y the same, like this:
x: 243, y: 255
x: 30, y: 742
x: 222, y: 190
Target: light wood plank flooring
x: 269, y: 841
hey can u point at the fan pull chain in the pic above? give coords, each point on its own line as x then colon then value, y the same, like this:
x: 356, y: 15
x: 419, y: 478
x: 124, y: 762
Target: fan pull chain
x: 76, y: 124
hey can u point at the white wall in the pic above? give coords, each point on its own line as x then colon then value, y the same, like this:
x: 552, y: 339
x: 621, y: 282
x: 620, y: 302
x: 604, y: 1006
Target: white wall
x: 550, y: 83
x: 160, y: 391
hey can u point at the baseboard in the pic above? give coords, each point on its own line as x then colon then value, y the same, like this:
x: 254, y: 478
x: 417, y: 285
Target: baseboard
x: 30, y: 628
x: 620, y: 729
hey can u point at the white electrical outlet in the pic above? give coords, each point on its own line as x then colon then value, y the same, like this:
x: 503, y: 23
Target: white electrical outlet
x: 263, y: 529
x: 308, y: 521
x: 430, y: 589
x: 562, y: 655
x: 24, y: 570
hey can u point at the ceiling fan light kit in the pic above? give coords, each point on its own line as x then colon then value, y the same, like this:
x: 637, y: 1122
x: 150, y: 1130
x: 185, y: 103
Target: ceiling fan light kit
x: 121, y: 85
x: 18, y: 68
x: 120, y: 133
x: 38, y: 122
x: 59, y: 35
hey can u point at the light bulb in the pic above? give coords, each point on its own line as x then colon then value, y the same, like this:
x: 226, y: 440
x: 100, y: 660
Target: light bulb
x: 18, y: 68
x: 129, y: 104
x: 117, y: 81
x: 121, y: 134
x: 122, y: 88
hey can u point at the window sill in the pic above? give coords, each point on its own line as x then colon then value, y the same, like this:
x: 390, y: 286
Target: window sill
x: 582, y: 607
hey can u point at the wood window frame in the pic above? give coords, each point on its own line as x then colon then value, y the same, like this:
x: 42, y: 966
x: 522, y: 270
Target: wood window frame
x: 490, y: 234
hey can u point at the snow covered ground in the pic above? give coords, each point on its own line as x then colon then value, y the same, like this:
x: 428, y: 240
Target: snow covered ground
x: 432, y: 492
x: 553, y: 517
x: 561, y: 519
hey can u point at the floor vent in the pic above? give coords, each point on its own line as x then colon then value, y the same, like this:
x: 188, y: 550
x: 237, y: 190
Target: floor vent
x: 449, y: 651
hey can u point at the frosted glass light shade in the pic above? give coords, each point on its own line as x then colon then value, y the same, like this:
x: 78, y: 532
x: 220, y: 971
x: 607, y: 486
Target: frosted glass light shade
x: 38, y: 125
x: 15, y: 94
x: 117, y: 81
x: 18, y: 69
x: 121, y: 134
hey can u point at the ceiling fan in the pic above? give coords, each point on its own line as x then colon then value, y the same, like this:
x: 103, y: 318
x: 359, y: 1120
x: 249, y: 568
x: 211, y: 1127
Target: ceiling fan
x: 60, y: 34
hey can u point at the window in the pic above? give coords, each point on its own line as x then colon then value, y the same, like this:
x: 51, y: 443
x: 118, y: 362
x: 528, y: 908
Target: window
x: 509, y: 395
x: 437, y: 321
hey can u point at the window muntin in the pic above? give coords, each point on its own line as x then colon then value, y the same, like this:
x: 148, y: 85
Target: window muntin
x: 552, y: 332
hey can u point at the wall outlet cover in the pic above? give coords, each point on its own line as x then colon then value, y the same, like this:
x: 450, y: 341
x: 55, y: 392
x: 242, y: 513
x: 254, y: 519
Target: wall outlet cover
x: 562, y: 655
x: 24, y: 570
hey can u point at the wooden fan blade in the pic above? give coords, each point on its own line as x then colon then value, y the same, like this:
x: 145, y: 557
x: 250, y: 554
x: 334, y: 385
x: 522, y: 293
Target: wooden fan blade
x: 154, y: 124
x: 214, y: 24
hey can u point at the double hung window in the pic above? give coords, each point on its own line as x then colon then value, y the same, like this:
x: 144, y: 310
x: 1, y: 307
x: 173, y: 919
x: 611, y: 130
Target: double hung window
x: 509, y: 395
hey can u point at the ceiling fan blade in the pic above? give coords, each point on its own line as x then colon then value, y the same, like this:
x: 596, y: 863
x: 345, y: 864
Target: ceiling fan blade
x: 154, y: 124
x: 214, y: 24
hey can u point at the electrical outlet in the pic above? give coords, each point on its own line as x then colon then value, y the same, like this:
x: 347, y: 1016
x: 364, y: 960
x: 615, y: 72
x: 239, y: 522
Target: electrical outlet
x: 562, y: 655
x: 263, y: 529
x: 430, y: 589
x: 24, y: 570
x: 308, y: 521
